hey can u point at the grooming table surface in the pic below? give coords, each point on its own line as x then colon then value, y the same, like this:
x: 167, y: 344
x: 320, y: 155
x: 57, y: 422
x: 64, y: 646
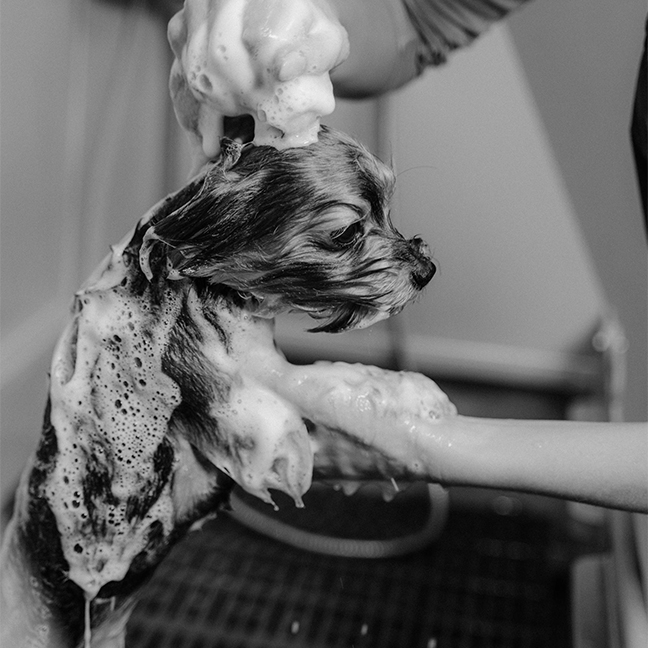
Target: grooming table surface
x: 491, y: 580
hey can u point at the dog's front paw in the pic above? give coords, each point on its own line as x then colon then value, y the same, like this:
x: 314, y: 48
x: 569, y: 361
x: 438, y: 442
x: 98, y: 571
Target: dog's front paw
x: 262, y: 443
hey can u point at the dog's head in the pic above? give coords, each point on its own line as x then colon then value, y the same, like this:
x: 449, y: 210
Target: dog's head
x: 304, y: 229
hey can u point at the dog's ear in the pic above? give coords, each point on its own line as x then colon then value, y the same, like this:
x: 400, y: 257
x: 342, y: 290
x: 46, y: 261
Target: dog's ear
x: 203, y: 226
x: 230, y: 153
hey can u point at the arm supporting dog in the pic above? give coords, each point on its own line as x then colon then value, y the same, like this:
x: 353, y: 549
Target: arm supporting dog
x: 365, y: 422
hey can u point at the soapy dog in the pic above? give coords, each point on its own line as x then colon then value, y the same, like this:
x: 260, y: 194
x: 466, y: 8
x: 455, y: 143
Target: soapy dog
x: 166, y: 388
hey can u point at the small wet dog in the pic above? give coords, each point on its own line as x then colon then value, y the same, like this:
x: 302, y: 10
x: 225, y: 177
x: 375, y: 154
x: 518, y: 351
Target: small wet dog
x: 161, y: 394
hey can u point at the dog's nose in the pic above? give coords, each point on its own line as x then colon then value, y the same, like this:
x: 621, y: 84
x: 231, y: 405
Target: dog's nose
x: 421, y: 276
x: 424, y: 268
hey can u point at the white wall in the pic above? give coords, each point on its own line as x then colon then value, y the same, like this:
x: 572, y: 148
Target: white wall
x: 581, y: 61
x: 84, y: 129
x: 477, y: 176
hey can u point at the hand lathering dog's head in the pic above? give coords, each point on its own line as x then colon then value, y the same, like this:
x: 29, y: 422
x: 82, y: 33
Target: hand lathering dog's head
x: 303, y: 229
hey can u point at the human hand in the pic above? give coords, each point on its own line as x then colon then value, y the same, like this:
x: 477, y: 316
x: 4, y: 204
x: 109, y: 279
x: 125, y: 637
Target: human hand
x: 267, y: 58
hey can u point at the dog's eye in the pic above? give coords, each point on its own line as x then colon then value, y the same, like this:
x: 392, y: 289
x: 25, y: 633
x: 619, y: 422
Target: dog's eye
x: 349, y: 235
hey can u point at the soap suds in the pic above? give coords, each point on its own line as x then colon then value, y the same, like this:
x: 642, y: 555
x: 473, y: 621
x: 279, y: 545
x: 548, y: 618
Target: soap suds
x: 111, y: 405
x: 266, y: 58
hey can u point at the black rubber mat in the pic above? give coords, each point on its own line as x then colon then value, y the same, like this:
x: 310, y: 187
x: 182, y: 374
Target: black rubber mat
x: 491, y: 580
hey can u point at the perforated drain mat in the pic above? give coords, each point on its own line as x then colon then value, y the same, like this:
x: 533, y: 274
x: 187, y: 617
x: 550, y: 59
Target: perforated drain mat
x: 489, y: 581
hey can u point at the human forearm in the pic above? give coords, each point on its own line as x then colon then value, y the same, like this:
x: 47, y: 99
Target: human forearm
x: 373, y: 423
x: 393, y: 41
x: 601, y: 463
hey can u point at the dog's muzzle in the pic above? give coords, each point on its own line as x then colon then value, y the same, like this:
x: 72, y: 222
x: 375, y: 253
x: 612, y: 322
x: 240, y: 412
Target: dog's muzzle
x: 424, y: 267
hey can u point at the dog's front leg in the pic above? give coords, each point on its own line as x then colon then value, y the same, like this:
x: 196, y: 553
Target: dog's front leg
x: 364, y: 422
x: 367, y: 423
x: 262, y: 442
